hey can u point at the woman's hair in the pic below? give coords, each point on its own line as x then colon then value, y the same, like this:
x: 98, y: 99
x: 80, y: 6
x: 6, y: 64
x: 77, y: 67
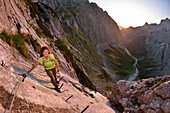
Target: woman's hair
x: 42, y: 50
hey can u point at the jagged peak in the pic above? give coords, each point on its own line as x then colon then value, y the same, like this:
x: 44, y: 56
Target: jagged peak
x: 151, y: 24
x: 165, y: 21
x: 146, y: 24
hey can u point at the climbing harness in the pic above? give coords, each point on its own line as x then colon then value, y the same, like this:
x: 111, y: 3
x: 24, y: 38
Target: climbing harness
x: 45, y: 61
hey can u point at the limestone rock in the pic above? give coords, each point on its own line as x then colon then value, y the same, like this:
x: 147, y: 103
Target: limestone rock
x: 146, y: 95
x: 166, y: 106
x: 163, y: 90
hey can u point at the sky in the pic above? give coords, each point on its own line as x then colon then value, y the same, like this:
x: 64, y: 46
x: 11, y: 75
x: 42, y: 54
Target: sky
x: 135, y: 13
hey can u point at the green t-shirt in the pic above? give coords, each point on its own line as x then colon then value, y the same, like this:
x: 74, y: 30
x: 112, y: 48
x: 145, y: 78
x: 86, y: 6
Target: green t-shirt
x: 49, y: 64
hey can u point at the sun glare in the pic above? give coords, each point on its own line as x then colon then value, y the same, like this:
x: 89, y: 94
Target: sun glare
x: 129, y: 13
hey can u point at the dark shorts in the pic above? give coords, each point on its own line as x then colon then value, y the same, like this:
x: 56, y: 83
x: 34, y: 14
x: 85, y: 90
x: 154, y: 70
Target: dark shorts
x: 52, y: 74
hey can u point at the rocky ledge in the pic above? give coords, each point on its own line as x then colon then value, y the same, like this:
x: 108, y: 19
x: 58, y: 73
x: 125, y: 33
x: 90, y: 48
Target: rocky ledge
x: 150, y: 95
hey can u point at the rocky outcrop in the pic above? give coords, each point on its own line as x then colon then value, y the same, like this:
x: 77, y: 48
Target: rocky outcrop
x: 143, y: 96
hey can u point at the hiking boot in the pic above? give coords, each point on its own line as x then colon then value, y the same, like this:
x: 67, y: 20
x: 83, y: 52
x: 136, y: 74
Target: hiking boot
x: 58, y: 90
x: 57, y: 82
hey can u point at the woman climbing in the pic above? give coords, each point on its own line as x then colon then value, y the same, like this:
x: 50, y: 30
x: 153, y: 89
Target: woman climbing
x: 50, y: 64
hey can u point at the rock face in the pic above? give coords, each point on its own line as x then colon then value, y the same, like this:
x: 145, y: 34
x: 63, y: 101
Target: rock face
x: 37, y: 94
x: 143, y: 96
x: 151, y: 41
x: 98, y: 25
x: 11, y: 15
x: 100, y: 29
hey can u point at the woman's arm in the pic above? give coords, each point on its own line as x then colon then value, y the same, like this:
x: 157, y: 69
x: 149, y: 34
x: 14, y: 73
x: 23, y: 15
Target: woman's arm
x: 58, y: 69
x: 35, y: 65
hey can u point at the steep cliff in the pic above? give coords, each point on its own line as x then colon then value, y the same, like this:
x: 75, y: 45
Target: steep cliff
x: 151, y: 43
x: 104, y: 35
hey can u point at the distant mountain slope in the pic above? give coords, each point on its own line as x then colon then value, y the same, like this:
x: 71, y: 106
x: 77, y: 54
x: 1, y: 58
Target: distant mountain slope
x: 151, y: 43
